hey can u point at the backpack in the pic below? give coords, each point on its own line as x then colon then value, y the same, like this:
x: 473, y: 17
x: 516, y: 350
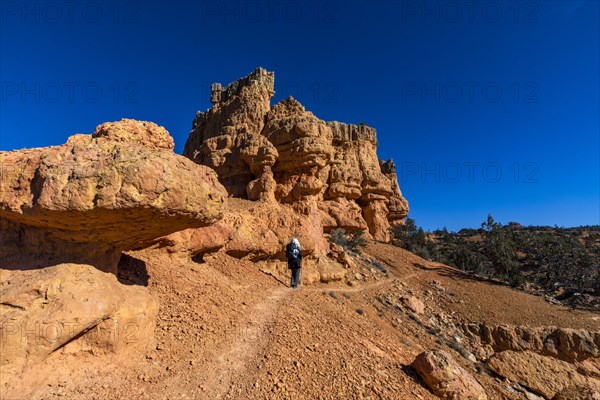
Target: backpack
x: 294, y: 251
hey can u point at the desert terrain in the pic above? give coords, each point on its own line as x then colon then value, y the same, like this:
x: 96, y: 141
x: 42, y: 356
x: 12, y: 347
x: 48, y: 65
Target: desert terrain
x: 131, y: 272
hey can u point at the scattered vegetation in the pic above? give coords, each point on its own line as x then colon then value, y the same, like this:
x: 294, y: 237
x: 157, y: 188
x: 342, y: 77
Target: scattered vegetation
x: 412, y: 238
x: 564, y: 261
x: 351, y: 242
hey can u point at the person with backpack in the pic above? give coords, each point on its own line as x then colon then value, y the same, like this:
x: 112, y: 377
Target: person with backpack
x: 293, y: 253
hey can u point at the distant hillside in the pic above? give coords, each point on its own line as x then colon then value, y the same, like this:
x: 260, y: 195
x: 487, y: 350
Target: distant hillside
x: 563, y: 263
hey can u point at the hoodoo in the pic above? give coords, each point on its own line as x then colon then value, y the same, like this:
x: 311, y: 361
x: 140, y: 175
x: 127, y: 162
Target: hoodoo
x: 286, y: 154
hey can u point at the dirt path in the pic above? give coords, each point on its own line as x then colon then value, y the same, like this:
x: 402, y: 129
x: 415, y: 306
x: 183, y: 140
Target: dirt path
x: 349, y: 290
x: 245, y: 342
x: 383, y: 282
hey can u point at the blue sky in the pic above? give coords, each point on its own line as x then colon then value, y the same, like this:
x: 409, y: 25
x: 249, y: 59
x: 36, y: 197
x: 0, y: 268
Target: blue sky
x: 488, y: 107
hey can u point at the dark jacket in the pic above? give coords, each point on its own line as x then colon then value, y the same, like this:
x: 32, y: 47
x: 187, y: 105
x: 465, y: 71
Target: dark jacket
x: 293, y: 262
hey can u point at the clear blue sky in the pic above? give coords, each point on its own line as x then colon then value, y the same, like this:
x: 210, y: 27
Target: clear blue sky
x: 492, y: 107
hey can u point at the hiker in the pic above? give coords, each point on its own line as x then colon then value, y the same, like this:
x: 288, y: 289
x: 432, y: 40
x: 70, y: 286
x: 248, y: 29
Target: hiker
x: 293, y: 252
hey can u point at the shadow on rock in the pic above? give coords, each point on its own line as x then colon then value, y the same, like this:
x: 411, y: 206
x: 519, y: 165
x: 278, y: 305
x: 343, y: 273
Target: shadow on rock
x: 132, y: 271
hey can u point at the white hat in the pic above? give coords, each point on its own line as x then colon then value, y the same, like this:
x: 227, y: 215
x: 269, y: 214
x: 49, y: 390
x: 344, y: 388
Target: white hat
x: 296, y: 242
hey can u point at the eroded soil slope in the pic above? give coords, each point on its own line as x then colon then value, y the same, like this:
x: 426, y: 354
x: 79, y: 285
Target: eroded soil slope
x: 226, y: 330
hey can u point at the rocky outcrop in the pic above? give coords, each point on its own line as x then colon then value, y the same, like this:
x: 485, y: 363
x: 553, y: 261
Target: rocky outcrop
x: 446, y: 378
x: 563, y: 343
x: 97, y: 195
x: 398, y: 206
x: 132, y: 132
x: 543, y: 375
x: 66, y: 214
x: 71, y: 308
x: 286, y: 154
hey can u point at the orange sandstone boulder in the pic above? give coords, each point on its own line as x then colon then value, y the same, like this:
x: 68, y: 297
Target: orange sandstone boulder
x: 97, y: 195
x: 446, y: 378
x: 144, y: 133
x: 70, y: 308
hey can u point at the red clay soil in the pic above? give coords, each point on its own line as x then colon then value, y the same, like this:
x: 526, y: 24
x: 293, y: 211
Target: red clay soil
x: 226, y: 330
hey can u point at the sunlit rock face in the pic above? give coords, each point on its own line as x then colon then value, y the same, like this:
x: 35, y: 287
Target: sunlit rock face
x: 286, y: 154
x: 97, y: 195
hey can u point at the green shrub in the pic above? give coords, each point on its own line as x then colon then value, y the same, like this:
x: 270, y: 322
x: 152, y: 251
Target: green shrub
x: 351, y: 242
x: 413, y: 238
x: 358, y: 241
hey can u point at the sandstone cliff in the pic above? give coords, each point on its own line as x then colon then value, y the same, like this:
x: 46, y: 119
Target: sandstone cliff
x: 70, y: 308
x: 286, y: 154
x: 66, y: 214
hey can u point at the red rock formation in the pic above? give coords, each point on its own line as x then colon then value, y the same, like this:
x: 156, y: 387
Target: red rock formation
x: 563, y: 343
x: 533, y: 371
x: 97, y: 195
x: 398, y: 206
x: 285, y: 153
x: 130, y: 131
x: 259, y: 231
